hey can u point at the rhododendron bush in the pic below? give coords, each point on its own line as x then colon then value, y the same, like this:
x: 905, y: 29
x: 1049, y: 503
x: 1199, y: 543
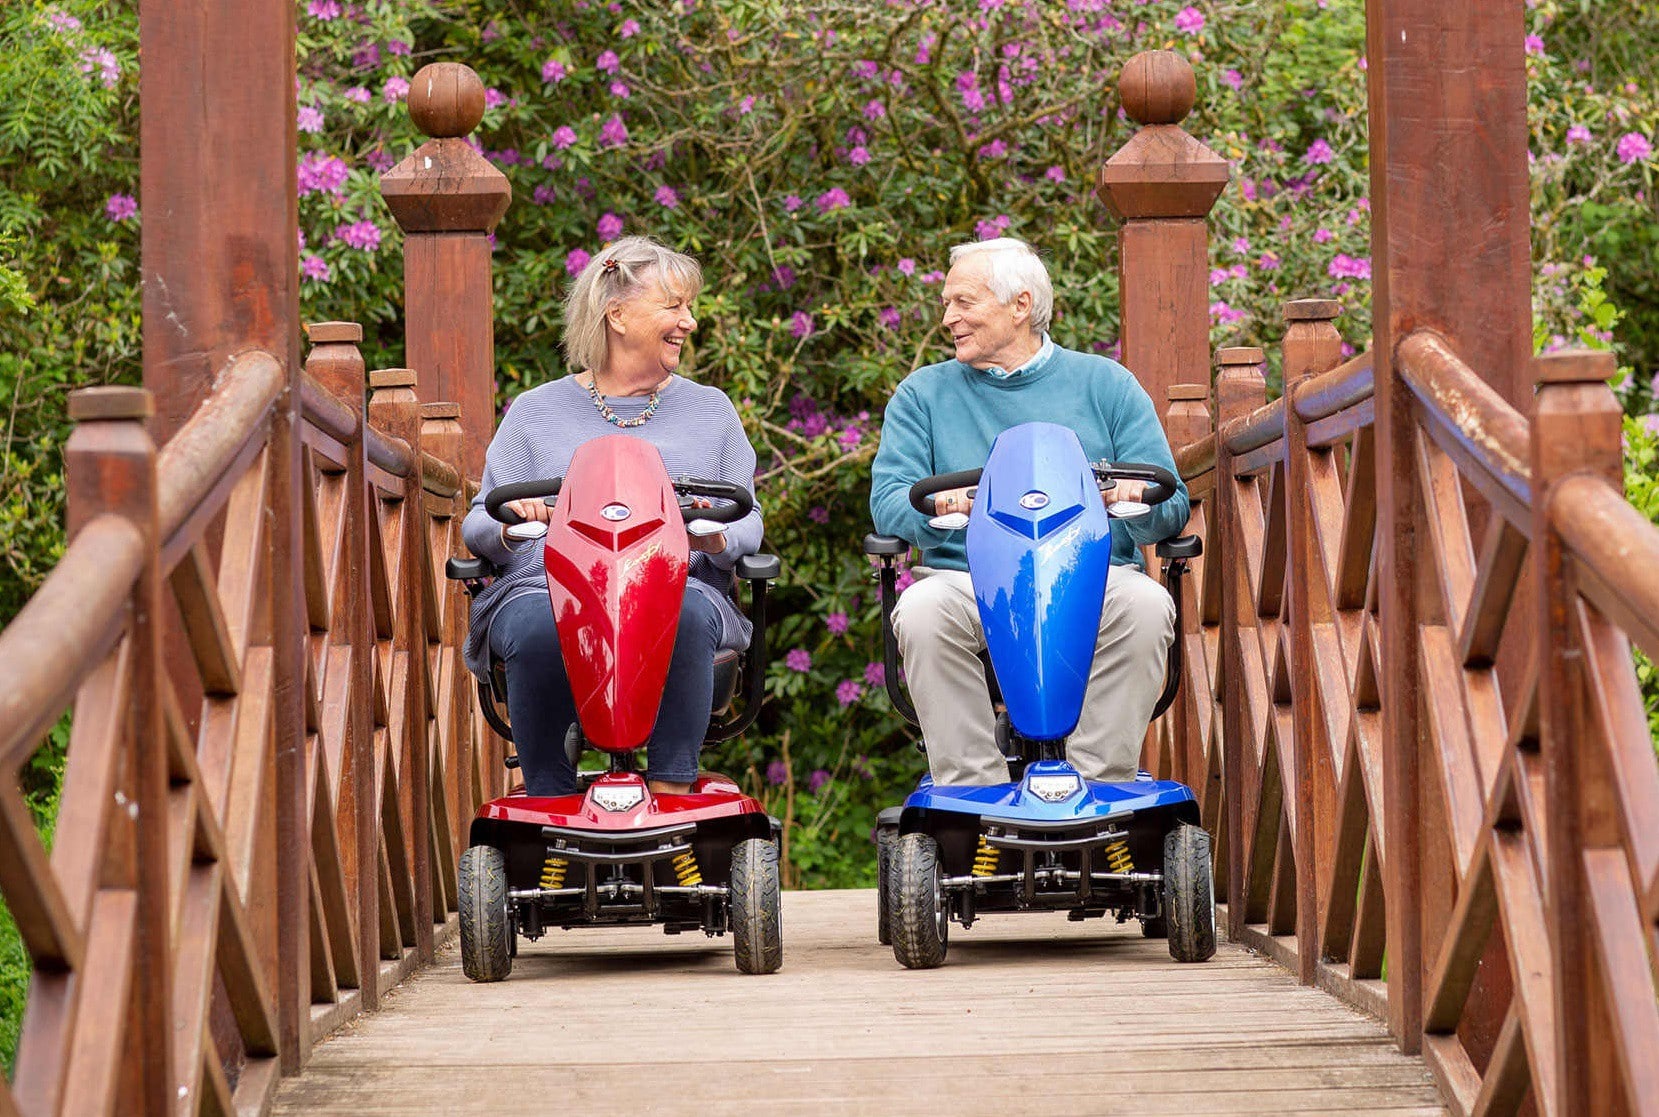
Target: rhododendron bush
x: 820, y: 160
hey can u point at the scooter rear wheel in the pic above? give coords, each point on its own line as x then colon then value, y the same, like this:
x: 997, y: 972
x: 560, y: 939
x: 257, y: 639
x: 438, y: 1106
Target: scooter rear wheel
x: 757, y: 908
x: 1189, y: 894
x: 919, y: 920
x: 486, y: 938
x: 886, y: 837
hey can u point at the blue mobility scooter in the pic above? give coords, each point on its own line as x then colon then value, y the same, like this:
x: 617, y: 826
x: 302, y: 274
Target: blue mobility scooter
x: 1039, y: 553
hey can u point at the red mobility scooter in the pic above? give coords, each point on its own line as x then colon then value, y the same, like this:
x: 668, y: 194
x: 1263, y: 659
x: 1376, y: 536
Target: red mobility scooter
x: 616, y: 853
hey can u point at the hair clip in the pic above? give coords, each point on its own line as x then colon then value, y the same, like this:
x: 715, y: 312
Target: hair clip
x: 609, y: 266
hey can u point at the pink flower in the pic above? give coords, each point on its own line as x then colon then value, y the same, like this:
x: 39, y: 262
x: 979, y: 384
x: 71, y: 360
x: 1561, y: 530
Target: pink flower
x: 398, y: 47
x: 323, y: 9
x: 1189, y: 21
x: 363, y: 235
x: 320, y: 171
x: 791, y: 203
x: 666, y: 197
x: 395, y: 90
x: 1534, y: 44
x: 874, y: 110
x: 1224, y: 314
x: 610, y: 226
x: 309, y: 118
x: 890, y: 317
x: 620, y: 89
x: 1055, y: 173
x: 858, y: 156
x: 1633, y: 148
x: 1234, y: 79
x: 629, y: 29
x: 875, y: 674
x: 358, y: 94
x: 1578, y: 134
x: 996, y: 149
x: 798, y: 660
x: 494, y: 98
x: 1320, y: 236
x: 745, y: 106
x: 836, y: 623
x: 832, y: 199
x: 848, y: 691
x: 366, y: 56
x: 553, y: 71
x: 613, y: 133
x: 800, y: 324
x: 62, y: 22
x: 563, y: 136
x: 542, y: 195
x: 904, y: 581
x: 104, y: 63
x: 608, y: 62
x: 576, y: 261
x: 1349, y: 267
x: 120, y: 207
x: 314, y: 267
x: 1319, y: 152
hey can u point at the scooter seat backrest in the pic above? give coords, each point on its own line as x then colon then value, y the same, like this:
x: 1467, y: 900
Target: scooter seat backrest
x: 726, y: 665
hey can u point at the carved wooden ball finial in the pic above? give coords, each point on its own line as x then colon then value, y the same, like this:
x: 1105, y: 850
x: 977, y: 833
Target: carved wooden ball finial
x: 446, y: 99
x: 1158, y: 87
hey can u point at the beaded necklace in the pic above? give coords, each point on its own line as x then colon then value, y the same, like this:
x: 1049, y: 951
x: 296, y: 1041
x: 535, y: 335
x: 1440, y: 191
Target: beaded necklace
x: 612, y: 417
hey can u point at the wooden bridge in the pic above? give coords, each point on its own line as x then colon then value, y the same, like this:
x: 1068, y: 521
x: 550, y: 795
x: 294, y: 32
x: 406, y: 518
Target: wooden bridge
x: 1409, y: 706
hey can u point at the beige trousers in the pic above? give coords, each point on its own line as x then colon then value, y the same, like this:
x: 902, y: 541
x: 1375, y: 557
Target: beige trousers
x: 940, y: 638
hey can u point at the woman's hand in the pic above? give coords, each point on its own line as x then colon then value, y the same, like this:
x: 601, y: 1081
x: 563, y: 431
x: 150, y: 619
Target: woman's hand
x: 534, y: 510
x: 709, y: 544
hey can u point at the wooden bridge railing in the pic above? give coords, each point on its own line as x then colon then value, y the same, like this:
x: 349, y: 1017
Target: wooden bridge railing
x: 161, y: 922
x: 1502, y: 867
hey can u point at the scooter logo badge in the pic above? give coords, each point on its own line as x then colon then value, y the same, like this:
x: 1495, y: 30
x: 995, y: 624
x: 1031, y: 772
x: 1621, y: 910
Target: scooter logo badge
x: 615, y: 513
x: 1034, y: 500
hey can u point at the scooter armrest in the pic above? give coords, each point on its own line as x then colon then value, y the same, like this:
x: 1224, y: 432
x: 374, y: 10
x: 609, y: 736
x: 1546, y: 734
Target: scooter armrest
x: 469, y: 569
x: 885, y: 545
x: 759, y: 567
x: 1181, y: 547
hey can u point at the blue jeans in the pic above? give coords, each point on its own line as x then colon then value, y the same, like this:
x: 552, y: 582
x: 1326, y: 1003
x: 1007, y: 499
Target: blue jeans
x: 524, y: 638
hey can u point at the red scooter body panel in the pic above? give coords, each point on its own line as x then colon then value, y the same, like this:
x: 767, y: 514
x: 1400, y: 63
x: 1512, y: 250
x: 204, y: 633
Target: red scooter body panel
x: 711, y: 796
x: 617, y: 560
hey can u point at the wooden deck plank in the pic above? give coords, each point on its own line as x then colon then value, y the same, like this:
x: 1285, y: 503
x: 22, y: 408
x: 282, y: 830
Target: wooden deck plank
x: 1029, y: 1015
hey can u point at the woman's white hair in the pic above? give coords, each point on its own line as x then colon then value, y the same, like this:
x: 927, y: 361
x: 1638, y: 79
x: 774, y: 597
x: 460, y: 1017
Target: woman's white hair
x: 618, y: 272
x: 1012, y: 266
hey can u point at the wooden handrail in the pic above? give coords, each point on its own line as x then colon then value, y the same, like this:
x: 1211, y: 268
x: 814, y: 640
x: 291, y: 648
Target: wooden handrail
x: 1345, y: 386
x: 1618, y: 547
x: 1196, y: 458
x: 1262, y: 427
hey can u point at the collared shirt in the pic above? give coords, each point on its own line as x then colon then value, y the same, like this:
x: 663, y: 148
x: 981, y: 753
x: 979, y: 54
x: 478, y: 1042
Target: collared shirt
x: 1041, y: 358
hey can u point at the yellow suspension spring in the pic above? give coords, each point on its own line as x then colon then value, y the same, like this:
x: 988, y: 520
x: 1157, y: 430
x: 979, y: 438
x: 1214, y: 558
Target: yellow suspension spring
x: 553, y: 872
x: 686, y: 870
x: 1117, y: 857
x: 985, y: 858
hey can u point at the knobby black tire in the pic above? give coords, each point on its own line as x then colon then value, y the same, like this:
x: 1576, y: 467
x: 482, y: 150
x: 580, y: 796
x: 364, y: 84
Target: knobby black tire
x: 886, y: 836
x: 757, y: 907
x: 1189, y: 894
x: 918, y: 919
x: 486, y: 938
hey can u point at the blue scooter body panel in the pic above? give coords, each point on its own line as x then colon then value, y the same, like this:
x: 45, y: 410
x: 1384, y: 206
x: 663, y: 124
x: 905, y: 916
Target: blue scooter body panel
x: 1022, y: 802
x: 1040, y: 546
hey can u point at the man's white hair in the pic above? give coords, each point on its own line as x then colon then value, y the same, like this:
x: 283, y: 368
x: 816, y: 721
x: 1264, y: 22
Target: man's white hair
x: 1012, y: 266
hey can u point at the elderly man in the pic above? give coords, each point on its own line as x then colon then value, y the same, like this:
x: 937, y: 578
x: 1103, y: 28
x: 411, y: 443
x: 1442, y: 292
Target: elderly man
x: 944, y: 417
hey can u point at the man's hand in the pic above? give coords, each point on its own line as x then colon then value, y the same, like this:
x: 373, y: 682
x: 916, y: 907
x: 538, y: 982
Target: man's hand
x: 709, y: 544
x: 953, y: 500
x: 1123, y: 490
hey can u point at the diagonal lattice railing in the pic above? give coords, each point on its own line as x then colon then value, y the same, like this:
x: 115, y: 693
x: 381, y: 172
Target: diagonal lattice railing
x: 1514, y: 843
x: 154, y: 924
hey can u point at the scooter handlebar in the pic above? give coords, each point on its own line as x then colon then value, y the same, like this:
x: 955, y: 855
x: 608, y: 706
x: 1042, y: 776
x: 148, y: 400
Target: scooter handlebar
x: 923, y: 491
x: 496, y: 503
x: 742, y: 502
x: 1161, y: 483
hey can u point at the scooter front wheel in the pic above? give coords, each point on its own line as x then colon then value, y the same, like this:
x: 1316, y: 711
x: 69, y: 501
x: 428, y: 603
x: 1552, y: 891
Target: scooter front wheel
x: 886, y: 837
x: 919, y: 918
x: 757, y: 907
x: 1189, y: 894
x: 486, y: 938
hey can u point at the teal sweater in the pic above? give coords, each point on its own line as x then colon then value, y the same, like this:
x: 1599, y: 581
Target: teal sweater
x: 944, y: 418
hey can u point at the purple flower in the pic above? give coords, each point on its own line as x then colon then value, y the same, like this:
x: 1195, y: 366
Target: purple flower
x: 858, y: 156
x: 563, y: 136
x: 875, y: 674
x: 542, y: 195
x: 890, y: 317
x: 610, y: 226
x: 613, y: 133
x: 1189, y: 21
x: 848, y: 691
x: 1349, y: 267
x: 120, y: 207
x: 358, y: 94
x: 799, y: 660
x: 1234, y: 79
x: 906, y: 266
x: 784, y: 276
x: 777, y: 773
x: 850, y: 438
x: 314, y: 267
x: 816, y: 782
x: 494, y: 98
x: 874, y: 110
x: 395, y: 90
x: 366, y: 56
x: 101, y: 60
x: 996, y: 149
x: 745, y: 106
x: 818, y: 514
x: 359, y: 234
x: 932, y: 276
x: 666, y: 197
x: 800, y: 324
x: 309, y: 118
x: 629, y: 29
x: 836, y: 623
x: 553, y: 71
x: 321, y: 171
x: 323, y: 9
x: 1319, y: 152
x: 398, y: 47
x: 904, y: 581
x: 576, y: 261
x: 62, y: 22
x: 1320, y: 236
x: 608, y: 62
x: 619, y: 89
x: 1578, y: 134
x: 1267, y: 262
x: 1224, y: 314
x: 1055, y: 173
x: 1534, y: 44
x: 832, y: 199
x: 1633, y: 148
x: 791, y: 203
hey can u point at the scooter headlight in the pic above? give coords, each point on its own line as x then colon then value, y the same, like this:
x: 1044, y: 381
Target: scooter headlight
x: 1055, y: 789
x: 618, y: 797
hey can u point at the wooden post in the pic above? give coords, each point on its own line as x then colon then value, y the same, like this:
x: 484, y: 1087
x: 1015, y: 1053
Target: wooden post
x: 395, y: 409
x: 110, y: 467
x: 1311, y: 346
x: 1187, y: 420
x: 1575, y: 429
x: 337, y: 365
x: 1240, y: 388
x: 443, y: 438
x: 447, y: 199
x: 1161, y: 184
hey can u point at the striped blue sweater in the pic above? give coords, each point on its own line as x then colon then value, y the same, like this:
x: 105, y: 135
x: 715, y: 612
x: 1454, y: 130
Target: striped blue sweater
x: 698, y: 433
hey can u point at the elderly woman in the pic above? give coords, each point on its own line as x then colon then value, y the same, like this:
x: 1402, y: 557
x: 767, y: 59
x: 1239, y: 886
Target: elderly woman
x: 627, y: 321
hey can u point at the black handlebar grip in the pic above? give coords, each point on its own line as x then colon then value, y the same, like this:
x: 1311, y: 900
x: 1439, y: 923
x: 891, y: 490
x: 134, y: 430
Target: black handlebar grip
x: 922, y: 492
x: 742, y: 502
x: 499, y: 496
x: 1161, y: 483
